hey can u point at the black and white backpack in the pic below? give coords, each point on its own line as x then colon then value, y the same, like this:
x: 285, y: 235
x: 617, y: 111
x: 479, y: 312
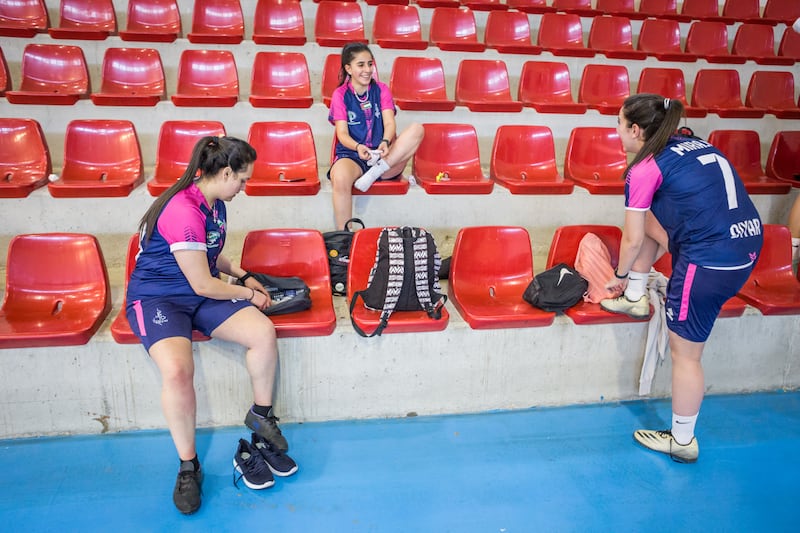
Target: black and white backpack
x: 403, y: 278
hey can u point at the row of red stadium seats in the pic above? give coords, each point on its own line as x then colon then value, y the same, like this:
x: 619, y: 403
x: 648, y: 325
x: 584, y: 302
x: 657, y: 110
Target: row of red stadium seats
x: 102, y: 158
x: 487, y: 293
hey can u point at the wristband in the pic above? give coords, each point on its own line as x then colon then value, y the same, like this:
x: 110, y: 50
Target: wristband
x: 247, y: 276
x: 357, y: 145
x: 616, y: 275
x: 388, y: 143
x: 252, y: 295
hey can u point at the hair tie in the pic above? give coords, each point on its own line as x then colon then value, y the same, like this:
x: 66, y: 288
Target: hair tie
x: 666, y: 103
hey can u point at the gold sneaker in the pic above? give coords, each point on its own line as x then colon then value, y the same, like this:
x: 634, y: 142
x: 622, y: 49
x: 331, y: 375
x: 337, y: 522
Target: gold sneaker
x: 664, y: 442
x: 639, y: 309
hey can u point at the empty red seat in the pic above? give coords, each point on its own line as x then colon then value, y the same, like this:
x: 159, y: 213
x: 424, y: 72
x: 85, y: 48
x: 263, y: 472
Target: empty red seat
x: 709, y: 40
x: 287, y: 162
x: 338, y: 23
x: 217, y: 22
x: 546, y: 87
x: 52, y: 74
x: 620, y: 8
x: 207, y: 78
x: 509, y: 32
x: 595, y: 160
x: 790, y: 44
x: 330, y: 76
x: 700, y: 10
x: 659, y: 9
x: 279, y: 22
x: 743, y: 149
x: 613, y: 37
x: 661, y: 38
x: 418, y: 84
x: 152, y: 21
x: 381, y: 187
x: 5, y: 76
x: 524, y: 161
x: 485, y: 5
x: 454, y: 29
x: 396, y: 26
x: 23, y: 18
x: 388, y: 2
x: 564, y: 249
x: 362, y: 257
x: 176, y: 140
x: 448, y: 161
x: 718, y: 91
x: 102, y: 158
x: 756, y: 42
x: 604, y: 88
x: 741, y: 11
x: 89, y: 20
x: 24, y: 157
x: 581, y: 8
x: 777, y: 11
x: 772, y: 287
x: 131, y: 76
x: 561, y: 34
x: 280, y: 79
x: 531, y: 6
x: 482, y: 85
x: 668, y: 82
x: 432, y: 4
x: 773, y: 91
x: 783, y: 161
x: 486, y: 292
x: 56, y: 292
x: 301, y: 253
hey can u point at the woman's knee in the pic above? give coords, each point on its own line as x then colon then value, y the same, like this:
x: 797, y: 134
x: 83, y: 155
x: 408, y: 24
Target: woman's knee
x: 415, y: 133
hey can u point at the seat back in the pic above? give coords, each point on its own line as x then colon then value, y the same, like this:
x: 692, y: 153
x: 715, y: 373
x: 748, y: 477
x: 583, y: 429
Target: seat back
x: 612, y: 33
x: 783, y: 161
x: 507, y: 29
x: 771, y: 89
x: 667, y: 82
x: 659, y: 8
x: 281, y: 75
x: 707, y: 38
x: 87, y: 16
x: 290, y: 148
x: 545, y: 81
x: 133, y: 71
x: 418, y: 78
x: 5, y: 76
x: 454, y: 26
x: 207, y: 72
x: 101, y: 151
x: 775, y: 260
x: 742, y: 148
x: 595, y: 154
x: 176, y: 140
x: 482, y: 80
x: 23, y: 18
x: 660, y: 36
x: 700, y: 9
x: 217, y: 21
x: 754, y: 41
x: 625, y: 8
x: 716, y: 88
x: 742, y: 10
x: 338, y: 23
x: 279, y: 22
x: 48, y: 68
x: 790, y: 44
x: 786, y: 11
x: 450, y: 149
x: 523, y: 152
x: 604, y: 87
x: 152, y: 20
x: 560, y: 31
x: 24, y: 156
x: 397, y: 26
x: 564, y: 246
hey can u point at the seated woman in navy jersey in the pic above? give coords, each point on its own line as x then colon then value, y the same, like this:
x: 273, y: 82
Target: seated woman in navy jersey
x: 681, y: 195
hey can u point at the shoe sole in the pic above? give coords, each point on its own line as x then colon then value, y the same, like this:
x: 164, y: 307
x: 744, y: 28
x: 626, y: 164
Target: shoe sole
x: 281, y: 474
x: 672, y: 456
x: 629, y: 315
x: 253, y: 486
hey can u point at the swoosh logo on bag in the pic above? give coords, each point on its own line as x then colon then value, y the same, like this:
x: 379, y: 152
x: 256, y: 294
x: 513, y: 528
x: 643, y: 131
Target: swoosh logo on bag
x: 563, y: 272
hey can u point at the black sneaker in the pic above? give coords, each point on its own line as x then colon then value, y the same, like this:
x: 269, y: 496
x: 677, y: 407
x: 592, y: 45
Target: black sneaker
x: 281, y: 464
x: 267, y: 427
x: 187, y: 489
x: 251, y: 467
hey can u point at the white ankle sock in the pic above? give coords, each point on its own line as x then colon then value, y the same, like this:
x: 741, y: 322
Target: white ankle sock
x: 371, y: 176
x: 683, y: 428
x: 795, y: 249
x: 637, y: 285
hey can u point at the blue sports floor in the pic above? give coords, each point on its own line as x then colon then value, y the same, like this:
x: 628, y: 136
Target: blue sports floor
x: 555, y: 469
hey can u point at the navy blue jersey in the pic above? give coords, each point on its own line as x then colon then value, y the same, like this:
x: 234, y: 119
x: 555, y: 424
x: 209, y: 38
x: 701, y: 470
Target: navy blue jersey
x: 363, y: 115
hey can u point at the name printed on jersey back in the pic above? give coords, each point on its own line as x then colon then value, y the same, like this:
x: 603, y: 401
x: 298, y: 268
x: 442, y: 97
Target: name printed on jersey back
x: 746, y: 228
x: 689, y: 146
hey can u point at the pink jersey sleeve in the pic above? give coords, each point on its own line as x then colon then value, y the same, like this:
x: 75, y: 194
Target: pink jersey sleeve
x: 338, y: 110
x: 182, y: 225
x: 387, y: 102
x: 642, y: 182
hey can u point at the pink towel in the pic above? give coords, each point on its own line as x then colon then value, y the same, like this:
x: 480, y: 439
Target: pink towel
x: 593, y: 262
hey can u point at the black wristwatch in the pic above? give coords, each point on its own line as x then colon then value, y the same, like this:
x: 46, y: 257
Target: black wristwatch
x: 388, y: 143
x: 616, y: 275
x: 246, y: 277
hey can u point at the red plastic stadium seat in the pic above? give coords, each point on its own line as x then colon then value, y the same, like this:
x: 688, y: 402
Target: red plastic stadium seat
x: 581, y: 8
x: 668, y: 82
x: 773, y: 91
x: 388, y: 2
x: 89, y: 20
x: 709, y: 41
x: 772, y: 287
x: 301, y: 253
x: 743, y: 149
x: 338, y: 23
x: 52, y: 74
x: 5, y: 76
x: 102, y: 158
x: 152, y: 21
x: 24, y: 157
x: 482, y: 85
x: 432, y: 4
x: 546, y: 87
x: 454, y: 29
x: 659, y: 9
x: 524, y: 161
x: 595, y: 160
x: 613, y: 37
x: 486, y: 292
x: 719, y: 92
x: 531, y: 6
x: 786, y: 11
x: 509, y: 32
x: 734, y: 307
x: 604, y: 88
x: 741, y: 11
x: 783, y: 161
x: 280, y: 79
x: 207, y: 78
x: 418, y: 84
x: 661, y: 38
x: 330, y: 76
x: 448, y: 161
x: 382, y: 187
x: 131, y: 76
x: 287, y: 162
x: 217, y: 22
x: 619, y: 8
x: 700, y: 10
x: 362, y: 257
x: 396, y: 26
x: 561, y: 34
x: 485, y: 5
x: 23, y: 18
x: 564, y: 249
x: 756, y: 42
x: 279, y: 22
x: 790, y: 44
x: 176, y: 140
x: 59, y: 301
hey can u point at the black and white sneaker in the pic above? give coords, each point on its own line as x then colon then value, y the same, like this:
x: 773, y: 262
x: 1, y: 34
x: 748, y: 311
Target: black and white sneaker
x: 278, y: 462
x: 251, y: 468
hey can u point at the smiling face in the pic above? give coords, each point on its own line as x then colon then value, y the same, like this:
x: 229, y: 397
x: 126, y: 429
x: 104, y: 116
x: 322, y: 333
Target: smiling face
x: 360, y: 70
x: 629, y: 134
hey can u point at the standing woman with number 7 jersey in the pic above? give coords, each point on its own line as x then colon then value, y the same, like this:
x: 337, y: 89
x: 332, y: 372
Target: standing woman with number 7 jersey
x: 681, y: 195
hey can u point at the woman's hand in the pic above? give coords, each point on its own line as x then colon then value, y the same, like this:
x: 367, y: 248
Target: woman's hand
x: 363, y: 151
x: 617, y: 285
x: 383, y: 148
x: 261, y: 298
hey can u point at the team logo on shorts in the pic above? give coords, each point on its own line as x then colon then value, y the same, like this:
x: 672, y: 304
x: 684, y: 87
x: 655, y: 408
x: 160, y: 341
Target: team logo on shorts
x: 160, y: 319
x: 670, y: 314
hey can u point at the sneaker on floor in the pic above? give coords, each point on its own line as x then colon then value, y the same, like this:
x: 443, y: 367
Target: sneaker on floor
x: 664, y: 442
x: 251, y: 467
x: 278, y: 462
x: 638, y: 309
x: 186, y: 495
x: 267, y: 427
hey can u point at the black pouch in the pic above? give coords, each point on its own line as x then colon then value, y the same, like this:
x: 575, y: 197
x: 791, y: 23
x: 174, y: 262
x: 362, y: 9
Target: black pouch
x: 556, y: 289
x: 337, y: 244
x: 289, y: 295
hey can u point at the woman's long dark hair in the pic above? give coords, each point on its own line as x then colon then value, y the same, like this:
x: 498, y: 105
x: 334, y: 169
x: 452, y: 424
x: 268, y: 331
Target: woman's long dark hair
x: 348, y: 54
x: 657, y: 117
x: 209, y: 156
